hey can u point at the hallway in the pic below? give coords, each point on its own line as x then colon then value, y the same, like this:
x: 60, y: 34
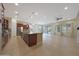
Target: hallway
x: 52, y: 45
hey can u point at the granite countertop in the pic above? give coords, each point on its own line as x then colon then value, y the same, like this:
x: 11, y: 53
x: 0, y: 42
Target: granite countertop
x: 34, y: 33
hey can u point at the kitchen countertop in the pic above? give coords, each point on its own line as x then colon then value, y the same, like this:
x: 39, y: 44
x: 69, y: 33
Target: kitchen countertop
x: 33, y: 33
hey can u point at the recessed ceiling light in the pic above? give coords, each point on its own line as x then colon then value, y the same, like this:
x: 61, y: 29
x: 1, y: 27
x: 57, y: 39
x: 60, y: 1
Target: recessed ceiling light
x: 16, y: 4
x: 36, y: 13
x: 16, y: 12
x: 66, y: 8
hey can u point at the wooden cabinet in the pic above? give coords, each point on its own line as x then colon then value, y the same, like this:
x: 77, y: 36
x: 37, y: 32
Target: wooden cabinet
x: 4, y: 27
x: 5, y: 32
x: 5, y: 24
x: 21, y: 28
x: 30, y: 39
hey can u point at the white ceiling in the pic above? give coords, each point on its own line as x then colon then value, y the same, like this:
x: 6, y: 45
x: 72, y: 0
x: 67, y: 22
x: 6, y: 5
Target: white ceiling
x: 47, y: 12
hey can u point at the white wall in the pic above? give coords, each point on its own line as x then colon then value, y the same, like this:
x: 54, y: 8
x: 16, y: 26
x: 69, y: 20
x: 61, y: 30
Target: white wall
x: 78, y: 30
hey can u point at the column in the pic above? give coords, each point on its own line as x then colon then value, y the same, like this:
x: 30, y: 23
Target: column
x: 13, y: 28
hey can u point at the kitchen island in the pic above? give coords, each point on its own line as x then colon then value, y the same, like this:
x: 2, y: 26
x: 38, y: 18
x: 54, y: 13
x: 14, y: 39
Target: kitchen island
x: 32, y: 39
